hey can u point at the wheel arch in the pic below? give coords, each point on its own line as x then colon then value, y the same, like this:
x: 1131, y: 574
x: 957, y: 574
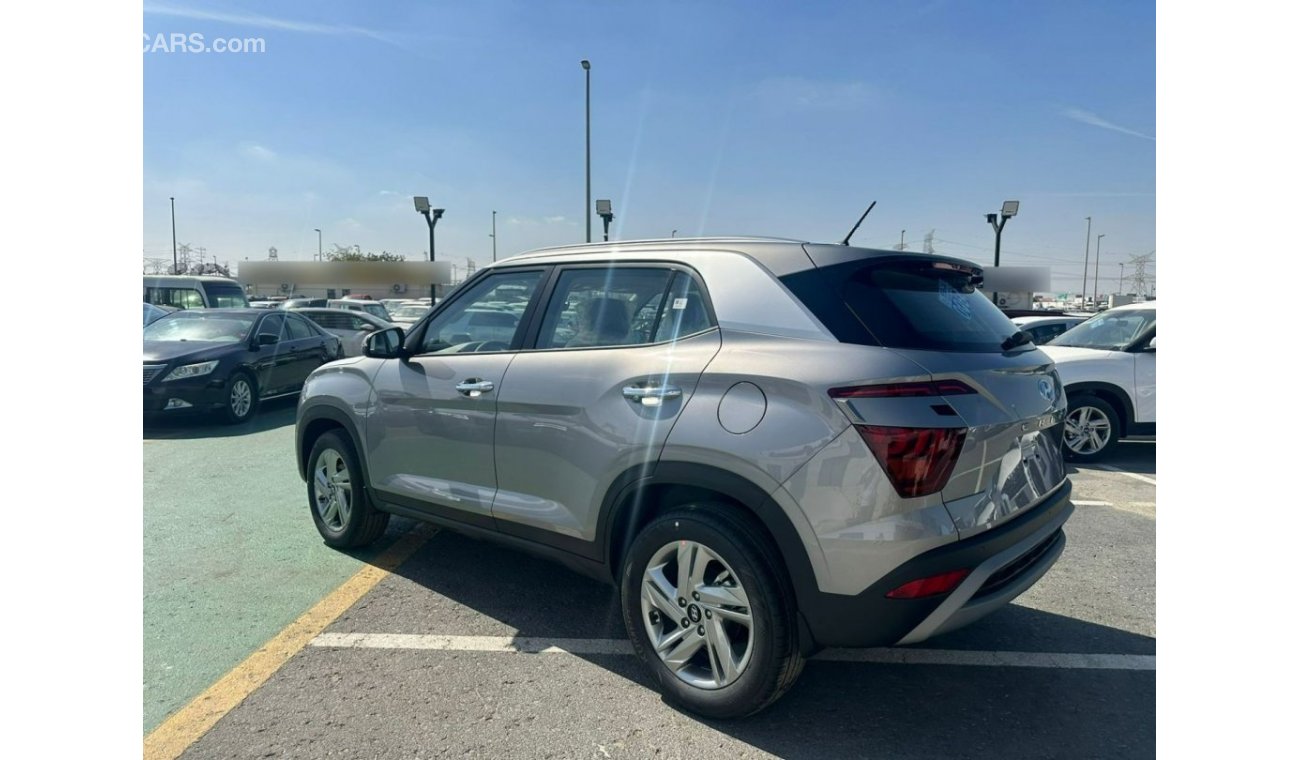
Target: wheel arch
x: 319, y: 420
x: 640, y: 494
x: 1112, y: 394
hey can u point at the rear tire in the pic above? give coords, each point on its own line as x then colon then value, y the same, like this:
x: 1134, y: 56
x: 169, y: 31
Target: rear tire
x: 1091, y: 429
x: 336, y: 495
x: 746, y: 611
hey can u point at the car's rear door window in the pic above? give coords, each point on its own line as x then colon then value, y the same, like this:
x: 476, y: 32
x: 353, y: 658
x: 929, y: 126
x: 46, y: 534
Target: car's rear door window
x: 604, y: 306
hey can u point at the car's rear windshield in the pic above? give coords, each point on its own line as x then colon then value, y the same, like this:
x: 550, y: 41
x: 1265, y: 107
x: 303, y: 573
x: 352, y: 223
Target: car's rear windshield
x: 924, y: 304
x: 225, y: 296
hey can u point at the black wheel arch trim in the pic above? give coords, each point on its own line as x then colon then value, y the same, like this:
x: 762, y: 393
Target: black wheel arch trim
x: 621, y: 507
x: 1109, y: 389
x: 334, y: 415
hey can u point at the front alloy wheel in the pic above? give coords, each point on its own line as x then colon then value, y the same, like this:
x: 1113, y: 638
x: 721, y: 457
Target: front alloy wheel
x: 696, y: 615
x: 333, y: 492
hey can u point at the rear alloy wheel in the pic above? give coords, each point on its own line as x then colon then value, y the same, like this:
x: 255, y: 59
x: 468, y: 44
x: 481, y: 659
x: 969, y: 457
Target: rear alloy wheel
x: 1091, y: 429
x: 241, y: 398
x: 336, y: 492
x: 707, y: 613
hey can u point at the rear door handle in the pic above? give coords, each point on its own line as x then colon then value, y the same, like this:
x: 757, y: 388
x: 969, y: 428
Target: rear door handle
x: 651, y: 395
x: 474, y: 387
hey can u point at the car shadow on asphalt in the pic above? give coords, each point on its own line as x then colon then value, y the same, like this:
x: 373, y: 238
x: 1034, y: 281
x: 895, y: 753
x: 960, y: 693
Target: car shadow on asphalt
x: 271, y: 414
x: 456, y: 585
x: 1136, y: 456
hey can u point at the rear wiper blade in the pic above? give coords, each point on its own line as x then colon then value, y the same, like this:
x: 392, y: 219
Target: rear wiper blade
x: 1018, y: 338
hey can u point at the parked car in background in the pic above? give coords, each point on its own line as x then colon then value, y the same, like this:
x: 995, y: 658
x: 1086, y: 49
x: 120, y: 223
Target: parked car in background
x: 300, y: 303
x: 184, y: 292
x: 409, y: 313
x: 393, y: 303
x: 153, y: 313
x: 1044, y: 329
x: 768, y: 446
x: 1108, y: 366
x: 351, y: 327
x: 228, y: 360
x: 264, y: 304
x: 373, y: 308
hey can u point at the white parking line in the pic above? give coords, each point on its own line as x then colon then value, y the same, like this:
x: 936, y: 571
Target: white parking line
x: 1133, y: 475
x: 1081, y: 503
x: 533, y: 645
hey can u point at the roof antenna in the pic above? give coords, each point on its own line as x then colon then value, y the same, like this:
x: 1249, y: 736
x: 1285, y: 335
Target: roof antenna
x: 845, y: 241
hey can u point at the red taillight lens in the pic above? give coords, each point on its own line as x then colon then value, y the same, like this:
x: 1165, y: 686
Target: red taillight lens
x: 918, y: 461
x: 902, y: 390
x: 932, y: 586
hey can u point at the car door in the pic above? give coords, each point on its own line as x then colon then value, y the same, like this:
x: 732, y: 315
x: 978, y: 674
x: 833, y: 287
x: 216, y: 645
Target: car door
x: 1144, y: 381
x: 308, y: 346
x: 617, y: 355
x: 273, y: 361
x: 430, y: 431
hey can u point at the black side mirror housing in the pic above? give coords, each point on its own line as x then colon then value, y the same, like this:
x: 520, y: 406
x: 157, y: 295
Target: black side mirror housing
x: 386, y: 344
x: 266, y: 339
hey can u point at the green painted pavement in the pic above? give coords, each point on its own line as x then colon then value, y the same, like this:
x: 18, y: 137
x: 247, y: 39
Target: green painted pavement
x: 230, y: 552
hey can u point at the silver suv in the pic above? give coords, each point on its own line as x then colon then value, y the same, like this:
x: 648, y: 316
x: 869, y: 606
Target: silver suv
x: 767, y: 446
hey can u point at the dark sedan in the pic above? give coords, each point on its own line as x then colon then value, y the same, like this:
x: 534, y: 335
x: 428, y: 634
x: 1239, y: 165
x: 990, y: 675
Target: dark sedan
x: 227, y: 360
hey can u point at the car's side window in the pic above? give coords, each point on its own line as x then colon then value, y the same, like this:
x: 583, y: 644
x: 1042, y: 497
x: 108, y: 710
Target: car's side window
x: 273, y: 325
x: 487, y: 318
x: 684, y: 313
x: 605, y: 306
x: 298, y: 327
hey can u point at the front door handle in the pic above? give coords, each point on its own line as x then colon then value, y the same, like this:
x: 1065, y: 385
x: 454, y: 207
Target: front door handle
x: 651, y: 395
x: 474, y: 387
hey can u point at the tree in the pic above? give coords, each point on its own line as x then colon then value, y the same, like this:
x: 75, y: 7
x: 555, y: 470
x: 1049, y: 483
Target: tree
x: 353, y: 253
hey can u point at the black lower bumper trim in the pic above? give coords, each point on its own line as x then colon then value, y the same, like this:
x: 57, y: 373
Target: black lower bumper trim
x: 870, y: 619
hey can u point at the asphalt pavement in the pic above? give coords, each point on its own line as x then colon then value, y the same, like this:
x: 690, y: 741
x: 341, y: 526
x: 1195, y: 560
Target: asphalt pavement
x: 471, y: 649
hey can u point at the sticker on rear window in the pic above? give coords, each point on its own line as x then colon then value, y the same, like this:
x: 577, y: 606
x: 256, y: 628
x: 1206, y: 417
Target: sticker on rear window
x: 950, y: 297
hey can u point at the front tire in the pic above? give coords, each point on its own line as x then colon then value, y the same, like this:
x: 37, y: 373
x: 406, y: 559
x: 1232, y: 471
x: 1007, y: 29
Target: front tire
x: 241, y: 398
x: 336, y: 493
x: 1091, y: 429
x: 709, y: 612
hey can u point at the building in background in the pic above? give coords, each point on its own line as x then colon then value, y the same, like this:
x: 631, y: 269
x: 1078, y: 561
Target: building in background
x: 338, y: 279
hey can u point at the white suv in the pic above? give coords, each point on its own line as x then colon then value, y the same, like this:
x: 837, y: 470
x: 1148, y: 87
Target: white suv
x: 1108, y: 367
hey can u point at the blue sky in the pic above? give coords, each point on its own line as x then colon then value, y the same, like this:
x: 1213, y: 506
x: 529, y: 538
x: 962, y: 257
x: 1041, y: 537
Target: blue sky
x: 709, y: 118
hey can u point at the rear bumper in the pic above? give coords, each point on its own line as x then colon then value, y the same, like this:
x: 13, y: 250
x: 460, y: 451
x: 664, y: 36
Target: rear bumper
x: 1003, y: 562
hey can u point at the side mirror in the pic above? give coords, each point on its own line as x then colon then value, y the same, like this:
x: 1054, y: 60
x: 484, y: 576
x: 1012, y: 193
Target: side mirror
x: 1151, y: 344
x: 385, y: 344
x: 267, y: 339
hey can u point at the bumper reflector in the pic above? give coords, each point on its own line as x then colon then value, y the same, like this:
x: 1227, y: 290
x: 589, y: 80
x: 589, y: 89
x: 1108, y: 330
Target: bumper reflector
x: 932, y: 586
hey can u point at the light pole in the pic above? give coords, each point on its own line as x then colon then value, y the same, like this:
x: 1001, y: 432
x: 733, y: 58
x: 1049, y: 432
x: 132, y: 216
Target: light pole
x: 1009, y: 209
x: 586, y: 66
x: 175, y: 263
x: 320, y: 254
x: 1087, y: 239
x: 1121, y: 278
x: 1096, y: 266
x: 494, y: 236
x: 431, y: 217
x: 674, y: 233
x: 605, y: 210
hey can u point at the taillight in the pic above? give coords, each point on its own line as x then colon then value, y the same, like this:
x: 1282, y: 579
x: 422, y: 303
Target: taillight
x: 902, y: 390
x: 932, y: 586
x: 919, y: 461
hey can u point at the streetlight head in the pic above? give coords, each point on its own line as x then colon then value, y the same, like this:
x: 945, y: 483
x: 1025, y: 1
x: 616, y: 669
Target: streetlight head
x: 422, y: 204
x: 1009, y: 208
x: 604, y: 208
x: 586, y: 64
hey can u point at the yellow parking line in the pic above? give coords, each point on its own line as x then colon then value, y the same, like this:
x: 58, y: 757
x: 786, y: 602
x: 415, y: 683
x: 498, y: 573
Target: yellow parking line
x: 190, y: 723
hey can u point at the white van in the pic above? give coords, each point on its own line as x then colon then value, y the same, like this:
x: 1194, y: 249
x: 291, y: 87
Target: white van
x: 185, y: 292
